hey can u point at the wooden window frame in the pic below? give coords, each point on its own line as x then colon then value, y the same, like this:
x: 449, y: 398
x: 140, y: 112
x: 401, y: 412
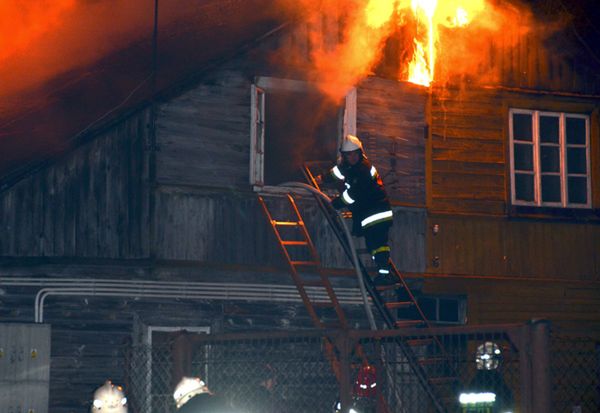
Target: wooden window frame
x: 563, y: 146
x: 259, y: 89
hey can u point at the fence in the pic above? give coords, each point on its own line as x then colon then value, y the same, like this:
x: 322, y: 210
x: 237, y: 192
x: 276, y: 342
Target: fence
x: 294, y: 371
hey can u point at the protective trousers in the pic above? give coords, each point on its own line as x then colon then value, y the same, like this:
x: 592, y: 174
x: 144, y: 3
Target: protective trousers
x: 376, y: 240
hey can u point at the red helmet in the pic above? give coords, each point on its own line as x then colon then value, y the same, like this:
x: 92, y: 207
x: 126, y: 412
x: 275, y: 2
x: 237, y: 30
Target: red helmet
x: 365, y: 384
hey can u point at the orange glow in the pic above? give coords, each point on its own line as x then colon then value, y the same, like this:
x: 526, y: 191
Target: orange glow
x: 25, y: 21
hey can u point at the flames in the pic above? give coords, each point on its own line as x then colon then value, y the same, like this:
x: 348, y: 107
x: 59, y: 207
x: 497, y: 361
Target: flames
x: 430, y: 15
x: 436, y: 40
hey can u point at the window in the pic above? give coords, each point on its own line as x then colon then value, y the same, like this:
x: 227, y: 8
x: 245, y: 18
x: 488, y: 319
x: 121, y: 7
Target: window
x: 293, y: 122
x: 550, y: 159
x: 444, y: 309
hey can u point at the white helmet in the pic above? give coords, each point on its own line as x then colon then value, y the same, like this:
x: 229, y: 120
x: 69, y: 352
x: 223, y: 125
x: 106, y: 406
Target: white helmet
x: 350, y: 143
x: 109, y: 399
x: 187, y: 388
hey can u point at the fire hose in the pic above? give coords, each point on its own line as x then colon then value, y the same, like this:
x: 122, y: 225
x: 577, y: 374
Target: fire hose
x: 350, y: 240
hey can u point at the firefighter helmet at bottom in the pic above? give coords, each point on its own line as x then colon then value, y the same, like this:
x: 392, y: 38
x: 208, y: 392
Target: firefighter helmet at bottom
x: 187, y: 388
x: 109, y: 398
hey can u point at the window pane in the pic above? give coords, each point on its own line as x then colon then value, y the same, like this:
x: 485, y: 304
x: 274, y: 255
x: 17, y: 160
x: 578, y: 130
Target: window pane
x: 576, y: 161
x: 575, y: 131
x: 523, y: 157
x: 448, y: 310
x: 577, y: 190
x: 428, y: 307
x: 522, y: 127
x: 550, y: 158
x: 524, y: 187
x: 549, y: 129
x: 551, y: 188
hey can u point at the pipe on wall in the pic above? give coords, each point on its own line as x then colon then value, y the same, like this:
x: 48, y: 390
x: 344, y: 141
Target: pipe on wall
x: 172, y: 290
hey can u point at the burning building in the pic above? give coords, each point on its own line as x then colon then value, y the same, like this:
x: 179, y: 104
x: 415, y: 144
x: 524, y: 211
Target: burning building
x: 483, y: 123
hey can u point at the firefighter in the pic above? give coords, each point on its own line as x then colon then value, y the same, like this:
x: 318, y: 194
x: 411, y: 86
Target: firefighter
x: 193, y: 396
x: 364, y: 195
x: 109, y: 399
x: 364, y: 392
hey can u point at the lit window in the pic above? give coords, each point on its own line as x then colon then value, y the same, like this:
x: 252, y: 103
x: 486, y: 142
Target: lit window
x: 293, y: 122
x: 550, y: 159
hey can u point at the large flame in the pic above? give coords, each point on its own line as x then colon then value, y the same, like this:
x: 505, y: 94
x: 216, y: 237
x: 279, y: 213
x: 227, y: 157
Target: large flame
x: 430, y: 15
x: 437, y: 37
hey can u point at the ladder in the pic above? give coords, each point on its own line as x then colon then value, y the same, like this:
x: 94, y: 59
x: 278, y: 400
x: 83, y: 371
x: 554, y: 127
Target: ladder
x: 290, y: 244
x: 433, y: 384
x: 434, y: 371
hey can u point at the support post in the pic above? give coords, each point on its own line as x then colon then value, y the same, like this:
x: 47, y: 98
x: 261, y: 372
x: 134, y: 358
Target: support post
x: 345, y: 345
x: 540, y: 363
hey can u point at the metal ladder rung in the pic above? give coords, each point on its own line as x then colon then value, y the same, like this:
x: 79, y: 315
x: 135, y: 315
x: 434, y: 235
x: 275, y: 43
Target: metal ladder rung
x: 294, y: 242
x: 408, y: 323
x: 396, y: 286
x: 399, y: 304
x: 287, y: 223
x: 304, y: 263
x: 416, y: 342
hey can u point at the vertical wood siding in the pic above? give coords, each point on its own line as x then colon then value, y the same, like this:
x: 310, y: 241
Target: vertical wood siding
x: 204, y: 135
x: 519, y: 248
x: 233, y: 230
x: 91, y: 204
x: 391, y: 122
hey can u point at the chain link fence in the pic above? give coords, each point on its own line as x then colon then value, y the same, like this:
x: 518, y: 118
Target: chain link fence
x: 575, y: 371
x: 298, y: 372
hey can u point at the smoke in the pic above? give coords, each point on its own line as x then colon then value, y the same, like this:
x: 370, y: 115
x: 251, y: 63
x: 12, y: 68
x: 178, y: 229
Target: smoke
x: 40, y: 39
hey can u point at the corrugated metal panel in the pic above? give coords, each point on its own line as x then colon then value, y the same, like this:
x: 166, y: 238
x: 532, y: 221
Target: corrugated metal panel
x: 24, y: 367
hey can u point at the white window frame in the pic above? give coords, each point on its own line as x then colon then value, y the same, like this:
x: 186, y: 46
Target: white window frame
x: 257, y: 123
x: 148, y: 341
x: 563, y: 146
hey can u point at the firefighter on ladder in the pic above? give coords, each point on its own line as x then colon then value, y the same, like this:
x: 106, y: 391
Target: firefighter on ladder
x: 364, y: 196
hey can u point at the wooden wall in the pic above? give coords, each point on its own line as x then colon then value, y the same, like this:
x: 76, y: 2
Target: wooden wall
x: 204, y: 135
x: 468, y: 162
x: 570, y: 306
x: 391, y: 122
x: 93, y: 203
x: 522, y: 248
x: 226, y: 229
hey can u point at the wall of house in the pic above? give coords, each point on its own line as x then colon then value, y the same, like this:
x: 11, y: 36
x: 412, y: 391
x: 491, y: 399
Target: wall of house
x: 571, y: 306
x: 391, y: 122
x: 92, y: 203
x: 523, y: 248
